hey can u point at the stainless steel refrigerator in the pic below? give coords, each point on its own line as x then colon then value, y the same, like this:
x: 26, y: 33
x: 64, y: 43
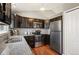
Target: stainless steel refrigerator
x: 56, y: 36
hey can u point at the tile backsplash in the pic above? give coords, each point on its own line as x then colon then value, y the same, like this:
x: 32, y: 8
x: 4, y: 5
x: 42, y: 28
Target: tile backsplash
x: 25, y: 31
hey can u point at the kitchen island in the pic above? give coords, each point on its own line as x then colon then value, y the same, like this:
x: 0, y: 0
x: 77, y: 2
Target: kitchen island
x: 17, y: 48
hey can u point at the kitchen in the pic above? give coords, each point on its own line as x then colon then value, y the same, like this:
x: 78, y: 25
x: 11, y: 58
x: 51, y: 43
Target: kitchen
x: 39, y: 28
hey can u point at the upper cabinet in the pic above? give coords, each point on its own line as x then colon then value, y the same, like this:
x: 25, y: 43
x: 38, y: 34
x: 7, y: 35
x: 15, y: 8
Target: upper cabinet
x: 25, y: 22
x: 46, y: 24
x: 5, y: 12
x: 17, y: 21
x: 38, y: 23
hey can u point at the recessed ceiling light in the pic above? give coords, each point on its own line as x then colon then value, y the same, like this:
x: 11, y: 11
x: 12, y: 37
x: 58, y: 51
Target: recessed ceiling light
x: 13, y: 3
x: 42, y: 9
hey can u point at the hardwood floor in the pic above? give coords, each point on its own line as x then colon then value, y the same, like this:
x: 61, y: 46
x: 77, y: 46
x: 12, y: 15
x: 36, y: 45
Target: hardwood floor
x: 44, y: 50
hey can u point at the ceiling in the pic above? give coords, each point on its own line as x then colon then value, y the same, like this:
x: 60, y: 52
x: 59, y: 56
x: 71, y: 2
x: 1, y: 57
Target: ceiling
x: 33, y: 9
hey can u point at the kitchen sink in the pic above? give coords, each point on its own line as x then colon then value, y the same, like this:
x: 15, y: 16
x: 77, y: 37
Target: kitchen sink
x: 13, y: 40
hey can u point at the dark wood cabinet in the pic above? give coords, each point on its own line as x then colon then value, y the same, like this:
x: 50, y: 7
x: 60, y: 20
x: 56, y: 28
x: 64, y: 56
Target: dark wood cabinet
x: 45, y: 39
x: 29, y: 23
x: 22, y: 22
x: 46, y: 24
x: 5, y: 12
x: 8, y: 13
x: 38, y: 23
x: 30, y: 40
x: 25, y: 22
x: 17, y: 22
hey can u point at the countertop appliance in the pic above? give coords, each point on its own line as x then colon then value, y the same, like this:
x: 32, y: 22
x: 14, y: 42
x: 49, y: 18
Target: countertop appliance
x: 56, y: 36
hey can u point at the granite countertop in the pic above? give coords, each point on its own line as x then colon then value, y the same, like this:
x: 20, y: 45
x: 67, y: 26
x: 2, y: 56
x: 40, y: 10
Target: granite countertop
x: 17, y: 48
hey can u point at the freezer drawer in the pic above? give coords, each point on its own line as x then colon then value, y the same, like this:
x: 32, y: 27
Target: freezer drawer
x: 55, y: 41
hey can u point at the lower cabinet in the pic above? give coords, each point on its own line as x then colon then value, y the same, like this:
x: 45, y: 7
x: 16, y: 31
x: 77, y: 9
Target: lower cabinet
x: 46, y: 39
x: 30, y: 40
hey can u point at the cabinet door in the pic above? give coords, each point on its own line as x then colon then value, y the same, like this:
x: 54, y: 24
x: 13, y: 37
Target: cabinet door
x: 30, y: 23
x: 45, y: 38
x: 8, y: 13
x: 23, y: 23
x: 46, y: 24
x: 26, y: 23
x: 5, y: 12
x: 30, y: 40
x: 37, y: 23
x: 17, y: 22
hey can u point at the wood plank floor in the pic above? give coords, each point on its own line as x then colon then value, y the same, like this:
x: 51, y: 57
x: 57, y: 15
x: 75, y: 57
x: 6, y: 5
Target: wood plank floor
x: 44, y: 50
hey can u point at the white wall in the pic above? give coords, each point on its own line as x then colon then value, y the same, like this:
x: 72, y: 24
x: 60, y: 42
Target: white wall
x: 71, y: 32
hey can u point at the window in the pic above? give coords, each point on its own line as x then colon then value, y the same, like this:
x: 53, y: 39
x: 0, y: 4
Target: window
x: 4, y: 28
